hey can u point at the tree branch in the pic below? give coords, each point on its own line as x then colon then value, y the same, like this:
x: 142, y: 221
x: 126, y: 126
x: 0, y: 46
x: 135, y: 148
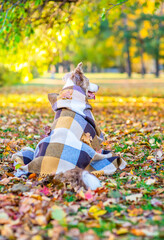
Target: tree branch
x: 114, y: 5
x: 15, y: 4
x: 62, y: 2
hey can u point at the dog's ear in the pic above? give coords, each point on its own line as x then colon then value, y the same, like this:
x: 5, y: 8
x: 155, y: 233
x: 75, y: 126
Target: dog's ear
x: 52, y: 97
x: 77, y: 75
x: 79, y: 67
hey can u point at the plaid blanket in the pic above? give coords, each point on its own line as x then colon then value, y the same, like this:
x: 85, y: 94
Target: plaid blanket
x: 74, y: 140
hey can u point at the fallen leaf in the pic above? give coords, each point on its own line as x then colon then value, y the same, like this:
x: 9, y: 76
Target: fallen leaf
x: 135, y: 212
x: 32, y: 176
x: 45, y: 190
x: 87, y: 138
x: 134, y: 197
x: 122, y: 231
x: 137, y: 232
x: 152, y: 141
x: 96, y: 211
x: 88, y: 195
x: 130, y: 142
x: 4, y: 181
x: 58, y: 214
x: 4, y: 218
x: 150, y: 181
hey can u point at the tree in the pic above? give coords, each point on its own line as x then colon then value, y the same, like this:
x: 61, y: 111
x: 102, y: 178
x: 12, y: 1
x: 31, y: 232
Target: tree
x: 142, y: 21
x: 94, y: 47
x: 20, y: 18
x: 157, y: 33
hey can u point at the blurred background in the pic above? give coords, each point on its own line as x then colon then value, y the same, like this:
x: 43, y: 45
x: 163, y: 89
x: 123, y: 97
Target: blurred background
x: 119, y: 42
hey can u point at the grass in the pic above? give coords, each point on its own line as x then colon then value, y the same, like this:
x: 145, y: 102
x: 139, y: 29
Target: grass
x: 111, y: 84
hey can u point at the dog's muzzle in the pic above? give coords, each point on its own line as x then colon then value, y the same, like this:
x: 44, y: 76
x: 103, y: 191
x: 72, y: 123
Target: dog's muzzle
x: 93, y: 87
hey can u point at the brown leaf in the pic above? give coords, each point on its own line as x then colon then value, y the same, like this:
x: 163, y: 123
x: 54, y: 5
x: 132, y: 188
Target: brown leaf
x: 87, y: 138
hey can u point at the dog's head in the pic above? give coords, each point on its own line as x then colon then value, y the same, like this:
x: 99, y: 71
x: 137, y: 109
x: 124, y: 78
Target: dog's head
x: 78, y: 78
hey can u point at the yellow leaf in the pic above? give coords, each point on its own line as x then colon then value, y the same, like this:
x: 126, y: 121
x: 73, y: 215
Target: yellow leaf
x: 131, y: 172
x: 36, y: 237
x: 18, y: 166
x: 5, y: 153
x: 96, y: 211
x: 8, y: 148
x: 150, y: 157
x: 122, y: 231
x: 81, y: 194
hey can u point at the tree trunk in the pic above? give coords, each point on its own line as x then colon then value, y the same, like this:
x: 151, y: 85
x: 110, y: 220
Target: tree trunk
x: 128, y: 67
x: 157, y: 56
x: 143, y: 70
x: 157, y: 64
x: 127, y: 45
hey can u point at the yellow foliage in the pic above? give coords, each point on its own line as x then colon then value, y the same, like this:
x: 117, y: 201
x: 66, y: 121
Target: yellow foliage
x: 143, y: 33
x: 147, y: 25
x: 133, y: 49
x: 110, y: 41
x: 141, y: 1
x: 131, y: 16
x: 149, y: 9
x: 138, y: 11
x: 131, y: 23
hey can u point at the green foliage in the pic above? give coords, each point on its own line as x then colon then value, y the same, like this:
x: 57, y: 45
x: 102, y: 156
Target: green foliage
x: 8, y: 77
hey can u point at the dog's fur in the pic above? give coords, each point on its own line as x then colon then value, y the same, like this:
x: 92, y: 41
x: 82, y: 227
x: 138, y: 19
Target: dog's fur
x: 78, y: 177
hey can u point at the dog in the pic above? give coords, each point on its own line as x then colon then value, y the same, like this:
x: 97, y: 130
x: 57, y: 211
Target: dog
x: 74, y: 143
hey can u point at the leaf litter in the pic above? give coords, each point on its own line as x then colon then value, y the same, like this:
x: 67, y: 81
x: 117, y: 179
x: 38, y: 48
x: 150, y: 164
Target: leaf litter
x: 129, y: 205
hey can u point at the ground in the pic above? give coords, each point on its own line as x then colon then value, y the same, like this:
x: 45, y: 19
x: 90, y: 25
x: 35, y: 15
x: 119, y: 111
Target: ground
x: 129, y: 205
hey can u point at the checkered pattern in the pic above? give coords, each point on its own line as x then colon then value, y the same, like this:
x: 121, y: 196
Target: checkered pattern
x: 65, y: 148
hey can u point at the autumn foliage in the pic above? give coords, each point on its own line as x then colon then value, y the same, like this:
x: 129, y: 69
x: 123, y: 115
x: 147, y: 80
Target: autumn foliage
x: 129, y: 205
